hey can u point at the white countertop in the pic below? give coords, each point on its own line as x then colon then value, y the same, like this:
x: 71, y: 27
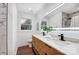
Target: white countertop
x: 65, y: 47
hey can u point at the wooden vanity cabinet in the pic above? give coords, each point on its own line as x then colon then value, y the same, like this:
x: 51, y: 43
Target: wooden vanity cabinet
x: 41, y: 48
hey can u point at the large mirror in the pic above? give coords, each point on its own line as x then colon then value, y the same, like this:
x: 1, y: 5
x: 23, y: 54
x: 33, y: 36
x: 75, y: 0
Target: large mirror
x: 64, y: 16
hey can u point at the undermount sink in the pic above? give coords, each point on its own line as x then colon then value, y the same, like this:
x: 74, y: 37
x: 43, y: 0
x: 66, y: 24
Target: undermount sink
x: 63, y: 43
x: 57, y: 41
x: 48, y: 37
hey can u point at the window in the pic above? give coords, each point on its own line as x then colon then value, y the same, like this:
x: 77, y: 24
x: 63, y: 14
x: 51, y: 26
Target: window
x: 26, y: 24
x: 43, y: 24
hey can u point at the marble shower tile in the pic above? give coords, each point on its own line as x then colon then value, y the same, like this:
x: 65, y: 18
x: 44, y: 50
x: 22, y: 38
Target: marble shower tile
x: 3, y: 14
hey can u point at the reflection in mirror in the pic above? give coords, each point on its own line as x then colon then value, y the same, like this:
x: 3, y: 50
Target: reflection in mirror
x: 75, y: 21
x: 37, y: 26
x: 43, y: 23
x: 70, y: 20
x: 26, y: 24
x: 66, y: 16
x: 66, y: 20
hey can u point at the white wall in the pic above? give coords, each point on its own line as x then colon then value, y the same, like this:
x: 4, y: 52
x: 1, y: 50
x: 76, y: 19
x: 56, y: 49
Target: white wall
x: 25, y: 35
x: 12, y: 26
x: 56, y: 20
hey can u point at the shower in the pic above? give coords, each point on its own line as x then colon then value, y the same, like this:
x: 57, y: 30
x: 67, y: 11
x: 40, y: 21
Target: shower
x: 3, y: 28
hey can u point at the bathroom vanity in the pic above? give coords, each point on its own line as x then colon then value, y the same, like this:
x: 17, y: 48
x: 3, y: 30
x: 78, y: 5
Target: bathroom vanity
x: 43, y: 45
x: 42, y: 48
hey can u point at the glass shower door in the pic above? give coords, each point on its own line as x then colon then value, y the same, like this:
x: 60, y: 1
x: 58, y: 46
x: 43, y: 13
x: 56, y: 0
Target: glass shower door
x: 3, y: 28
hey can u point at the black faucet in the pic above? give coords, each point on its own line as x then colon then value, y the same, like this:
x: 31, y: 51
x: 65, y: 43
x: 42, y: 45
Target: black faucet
x: 44, y: 34
x: 61, y: 37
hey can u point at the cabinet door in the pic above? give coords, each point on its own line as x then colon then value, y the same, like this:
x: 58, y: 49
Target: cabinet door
x: 42, y: 48
x: 35, y: 42
x: 37, y: 45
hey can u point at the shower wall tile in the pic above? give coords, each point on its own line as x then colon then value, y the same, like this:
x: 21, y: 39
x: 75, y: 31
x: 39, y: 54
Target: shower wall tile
x: 3, y: 19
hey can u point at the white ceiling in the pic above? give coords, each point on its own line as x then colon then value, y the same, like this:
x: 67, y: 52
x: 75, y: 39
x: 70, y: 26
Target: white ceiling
x: 70, y: 7
x: 27, y: 7
x: 44, y: 7
x: 66, y: 7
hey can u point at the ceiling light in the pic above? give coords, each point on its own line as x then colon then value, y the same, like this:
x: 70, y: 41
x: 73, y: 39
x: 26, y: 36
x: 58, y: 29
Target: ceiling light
x: 29, y: 9
x: 23, y: 21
